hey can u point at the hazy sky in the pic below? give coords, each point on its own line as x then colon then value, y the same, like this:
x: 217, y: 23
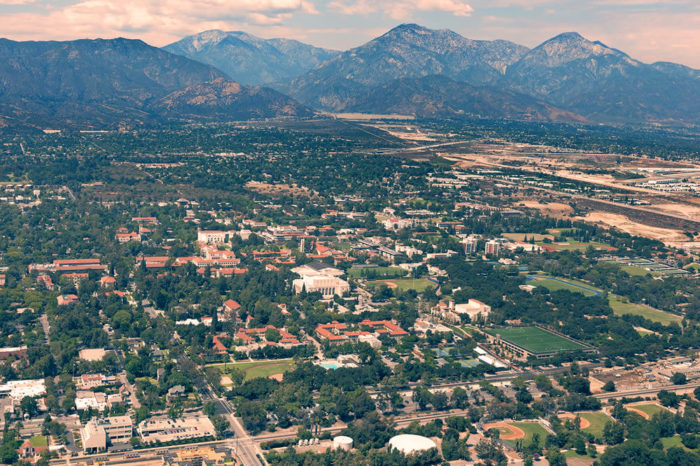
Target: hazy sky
x: 649, y: 30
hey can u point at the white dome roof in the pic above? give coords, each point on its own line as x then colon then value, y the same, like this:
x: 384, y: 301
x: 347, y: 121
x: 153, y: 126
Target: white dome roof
x: 408, y: 443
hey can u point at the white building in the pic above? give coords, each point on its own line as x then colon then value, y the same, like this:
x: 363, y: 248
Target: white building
x: 98, y: 432
x: 475, y: 309
x: 213, y: 236
x: 397, y: 223
x: 410, y: 251
x: 18, y: 389
x: 409, y: 443
x: 85, y: 399
x: 168, y: 430
x: 327, y: 286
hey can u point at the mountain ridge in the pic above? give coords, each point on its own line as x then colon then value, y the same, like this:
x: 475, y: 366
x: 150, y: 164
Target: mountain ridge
x: 104, y: 82
x: 249, y: 59
x: 582, y: 77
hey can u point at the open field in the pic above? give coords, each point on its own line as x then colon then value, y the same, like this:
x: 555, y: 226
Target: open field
x: 633, y: 270
x: 596, y: 422
x: 551, y: 209
x: 405, y: 284
x: 623, y: 223
x: 572, y: 245
x: 530, y: 429
x: 620, y: 307
x: 649, y: 409
x: 254, y: 369
x: 376, y: 272
x: 554, y: 284
x: 529, y: 236
x: 535, y: 339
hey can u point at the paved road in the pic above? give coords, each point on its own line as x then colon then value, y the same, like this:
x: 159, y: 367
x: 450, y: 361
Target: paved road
x: 243, y: 445
x: 45, y: 325
x: 646, y: 391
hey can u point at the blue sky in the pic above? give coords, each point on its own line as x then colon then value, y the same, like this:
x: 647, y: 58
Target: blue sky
x: 649, y: 30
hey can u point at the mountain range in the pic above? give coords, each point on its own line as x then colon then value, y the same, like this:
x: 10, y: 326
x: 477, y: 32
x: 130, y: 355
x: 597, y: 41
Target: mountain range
x: 571, y: 74
x: 103, y: 83
x: 410, y: 69
x: 249, y: 59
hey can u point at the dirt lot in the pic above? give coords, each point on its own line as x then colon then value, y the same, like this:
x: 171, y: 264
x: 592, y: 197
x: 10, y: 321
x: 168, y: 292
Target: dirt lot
x: 625, y: 224
x: 552, y: 209
x: 279, y: 189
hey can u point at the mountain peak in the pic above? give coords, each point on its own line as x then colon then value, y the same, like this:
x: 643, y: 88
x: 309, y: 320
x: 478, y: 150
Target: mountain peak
x: 410, y: 27
x: 571, y: 36
x: 249, y: 59
x: 567, y: 47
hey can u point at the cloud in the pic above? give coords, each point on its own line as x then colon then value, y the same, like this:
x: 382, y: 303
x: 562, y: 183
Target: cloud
x: 400, y: 9
x: 156, y: 21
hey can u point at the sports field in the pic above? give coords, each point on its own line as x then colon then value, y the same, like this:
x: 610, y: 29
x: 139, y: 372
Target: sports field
x: 647, y: 409
x: 255, y: 369
x: 405, y: 284
x: 596, y: 423
x: 535, y: 339
x: 554, y: 284
x: 530, y: 429
x: 621, y: 307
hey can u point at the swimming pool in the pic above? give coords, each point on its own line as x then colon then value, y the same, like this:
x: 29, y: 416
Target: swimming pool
x: 329, y: 365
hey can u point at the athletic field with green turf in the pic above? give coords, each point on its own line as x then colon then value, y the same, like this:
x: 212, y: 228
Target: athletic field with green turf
x: 535, y: 339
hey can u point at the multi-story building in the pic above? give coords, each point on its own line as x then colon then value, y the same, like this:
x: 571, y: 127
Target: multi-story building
x: 493, y: 248
x: 213, y: 236
x: 169, y: 430
x: 97, y: 433
x: 470, y: 245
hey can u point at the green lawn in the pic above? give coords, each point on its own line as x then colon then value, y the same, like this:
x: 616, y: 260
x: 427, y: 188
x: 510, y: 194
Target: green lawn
x: 671, y: 442
x: 534, y: 339
x: 573, y: 454
x: 405, y: 284
x: 597, y: 421
x: 572, y: 245
x: 530, y: 429
x: 561, y: 284
x: 620, y: 307
x: 693, y: 267
x: 633, y: 270
x: 254, y: 369
x: 39, y: 441
x: 375, y: 272
x: 649, y: 409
